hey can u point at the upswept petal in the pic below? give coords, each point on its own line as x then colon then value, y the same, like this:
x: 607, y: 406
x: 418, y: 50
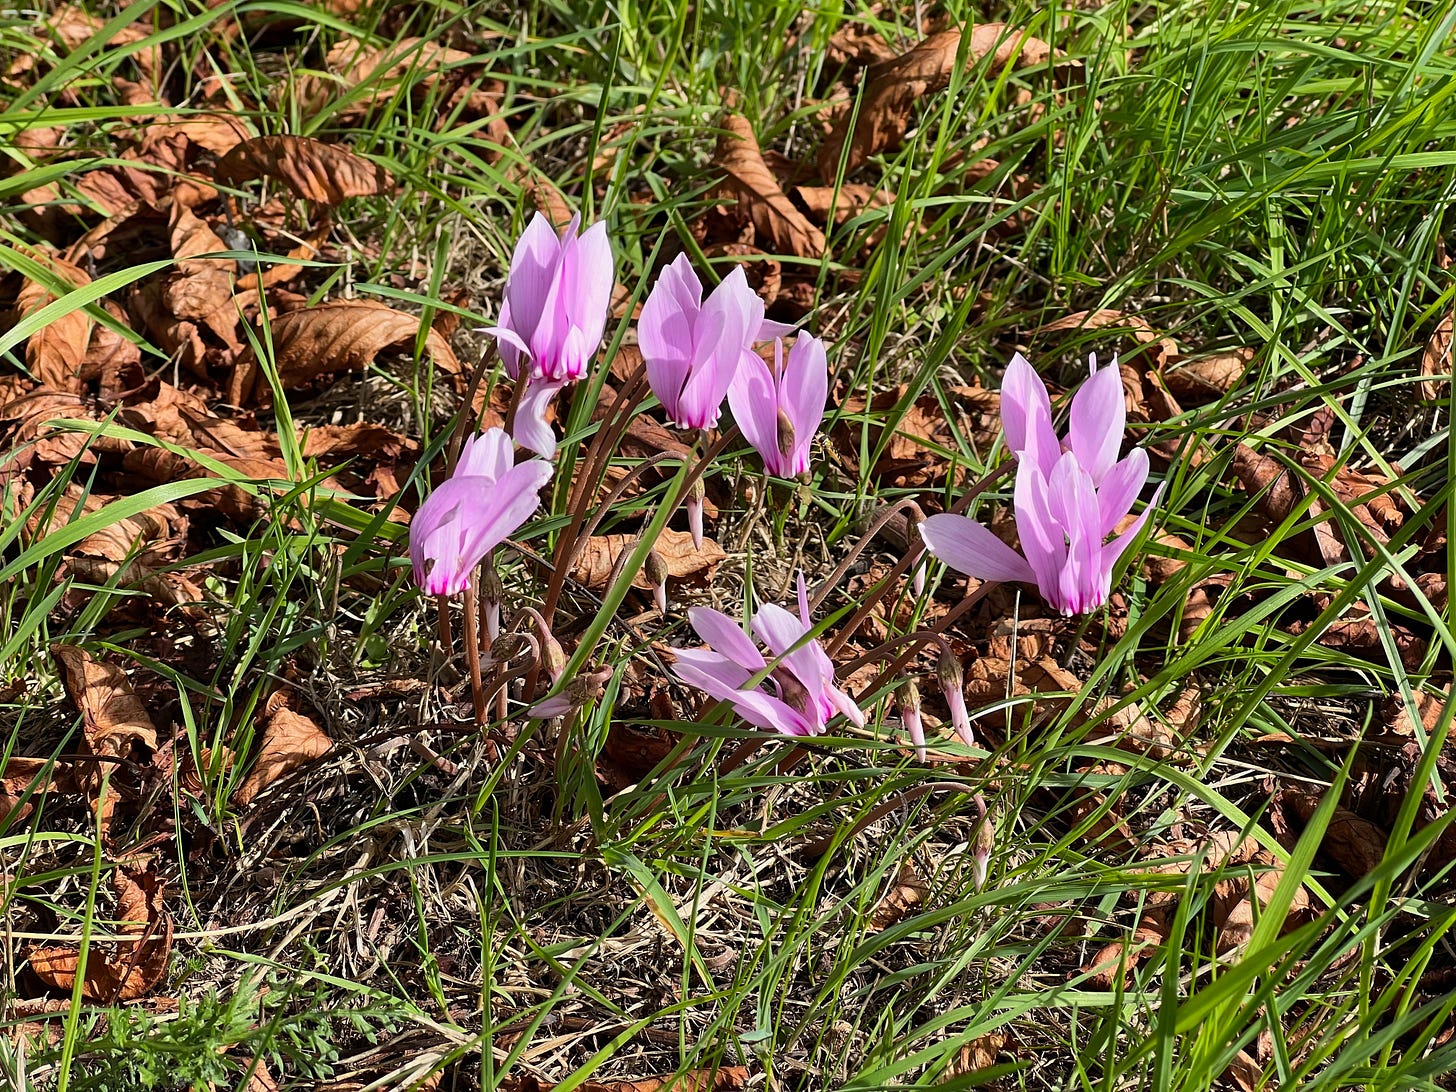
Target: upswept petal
x: 493, y: 510
x: 1043, y: 449
x: 589, y: 279
x: 713, y: 663
x: 1120, y: 488
x: 769, y: 329
x: 1022, y: 390
x: 487, y: 454
x: 705, y: 383
x: 1042, y: 538
x: 1097, y: 420
x: 846, y: 705
x: 754, y: 401
x: 1072, y: 504
x: 968, y: 547
x: 530, y: 428
x: 1115, y: 549
x: 532, y: 275
x: 508, y: 343
x: 754, y: 706
x: 727, y: 637
x: 803, y: 390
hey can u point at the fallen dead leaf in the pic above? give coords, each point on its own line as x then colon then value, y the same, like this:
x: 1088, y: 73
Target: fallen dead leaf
x: 53, y: 354
x: 857, y: 45
x: 594, y: 565
x: 115, y: 724
x: 779, y: 226
x: 725, y: 1079
x: 137, y: 964
x: 976, y: 1056
x: 907, y: 892
x: 895, y: 87
x: 345, y: 335
x: 313, y: 170
x: 1355, y: 843
x: 1428, y: 707
x: 202, y: 288
x: 1162, y: 350
x: 1208, y: 378
x: 290, y: 740
x: 907, y: 457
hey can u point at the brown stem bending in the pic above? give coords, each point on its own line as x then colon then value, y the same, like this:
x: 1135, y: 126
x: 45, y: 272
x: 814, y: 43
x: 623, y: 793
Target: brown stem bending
x: 472, y: 657
x: 467, y: 414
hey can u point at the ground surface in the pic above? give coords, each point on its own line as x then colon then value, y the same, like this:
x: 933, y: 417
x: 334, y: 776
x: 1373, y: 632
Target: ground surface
x: 253, y: 837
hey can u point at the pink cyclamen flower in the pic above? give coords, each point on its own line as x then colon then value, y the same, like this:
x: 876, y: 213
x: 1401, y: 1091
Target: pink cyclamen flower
x: 692, y: 346
x: 800, y: 698
x: 551, y: 323
x: 1070, y: 494
x: 485, y: 499
x: 779, y: 410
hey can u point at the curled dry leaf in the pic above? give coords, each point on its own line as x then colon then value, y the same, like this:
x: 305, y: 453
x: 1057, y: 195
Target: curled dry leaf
x: 345, y: 335
x: 907, y: 892
x: 53, y: 354
x: 115, y: 724
x: 908, y: 457
x: 1208, y: 378
x: 597, y: 560
x: 1162, y: 351
x: 976, y: 1056
x: 315, y: 171
x: 896, y: 86
x: 1428, y: 707
x: 1355, y: 843
x: 779, y: 226
x: 202, y: 288
x: 857, y: 45
x: 842, y: 204
x: 290, y: 740
x: 1235, y: 913
x: 138, y: 963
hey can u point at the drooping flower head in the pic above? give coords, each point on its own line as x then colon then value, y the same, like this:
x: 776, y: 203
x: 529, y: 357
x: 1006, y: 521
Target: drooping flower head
x: 691, y: 346
x: 1070, y: 494
x: 798, y: 697
x: 557, y: 294
x: 482, y: 503
x: 779, y: 410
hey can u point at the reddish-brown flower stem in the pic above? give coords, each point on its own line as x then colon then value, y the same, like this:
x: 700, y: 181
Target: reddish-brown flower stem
x: 467, y: 409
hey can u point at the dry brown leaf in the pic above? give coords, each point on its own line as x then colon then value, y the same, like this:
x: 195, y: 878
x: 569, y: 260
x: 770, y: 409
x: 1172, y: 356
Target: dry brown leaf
x: 977, y: 1055
x: 857, y: 45
x: 907, y: 458
x: 71, y: 27
x: 779, y: 226
x: 113, y: 359
x: 1163, y: 350
x: 290, y: 740
x: 114, y: 721
x: 845, y: 203
x: 1428, y: 707
x: 907, y: 892
x: 138, y: 963
x: 202, y: 288
x: 594, y: 565
x: 1234, y: 910
x: 1354, y: 843
x: 345, y: 335
x: 1209, y: 378
x: 315, y: 171
x: 896, y: 86
x: 53, y: 354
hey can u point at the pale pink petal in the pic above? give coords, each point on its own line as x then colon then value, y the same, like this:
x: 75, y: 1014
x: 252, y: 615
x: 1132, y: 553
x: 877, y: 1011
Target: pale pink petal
x: 1115, y: 549
x: 846, y: 705
x: 508, y: 343
x: 1021, y: 391
x: 665, y: 331
x: 754, y: 706
x: 1042, y: 537
x: 1098, y: 417
x: 754, y: 401
x: 589, y: 280
x: 1120, y: 487
x: 803, y: 391
x: 968, y: 547
x: 726, y: 637
x: 532, y: 276
x: 768, y: 330
x: 530, y: 428
x: 711, y: 662
x: 488, y: 454
x: 501, y: 507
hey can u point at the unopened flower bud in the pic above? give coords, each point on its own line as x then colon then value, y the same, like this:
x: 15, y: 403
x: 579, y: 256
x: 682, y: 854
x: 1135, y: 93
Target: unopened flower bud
x: 982, y: 843
x: 908, y: 695
x: 917, y: 579
x: 785, y: 434
x: 952, y: 682
x: 553, y: 657
x: 695, y: 511
x: 491, y: 595
x: 574, y: 695
x: 656, y: 570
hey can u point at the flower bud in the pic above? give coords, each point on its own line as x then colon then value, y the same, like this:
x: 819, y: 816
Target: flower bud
x: 908, y: 695
x: 491, y: 595
x: 983, y: 841
x: 656, y: 570
x: 553, y: 657
x: 952, y: 682
x: 507, y: 647
x: 695, y: 511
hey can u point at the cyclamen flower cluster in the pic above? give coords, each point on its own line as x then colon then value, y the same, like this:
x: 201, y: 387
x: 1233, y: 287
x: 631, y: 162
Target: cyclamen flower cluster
x: 1070, y: 494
